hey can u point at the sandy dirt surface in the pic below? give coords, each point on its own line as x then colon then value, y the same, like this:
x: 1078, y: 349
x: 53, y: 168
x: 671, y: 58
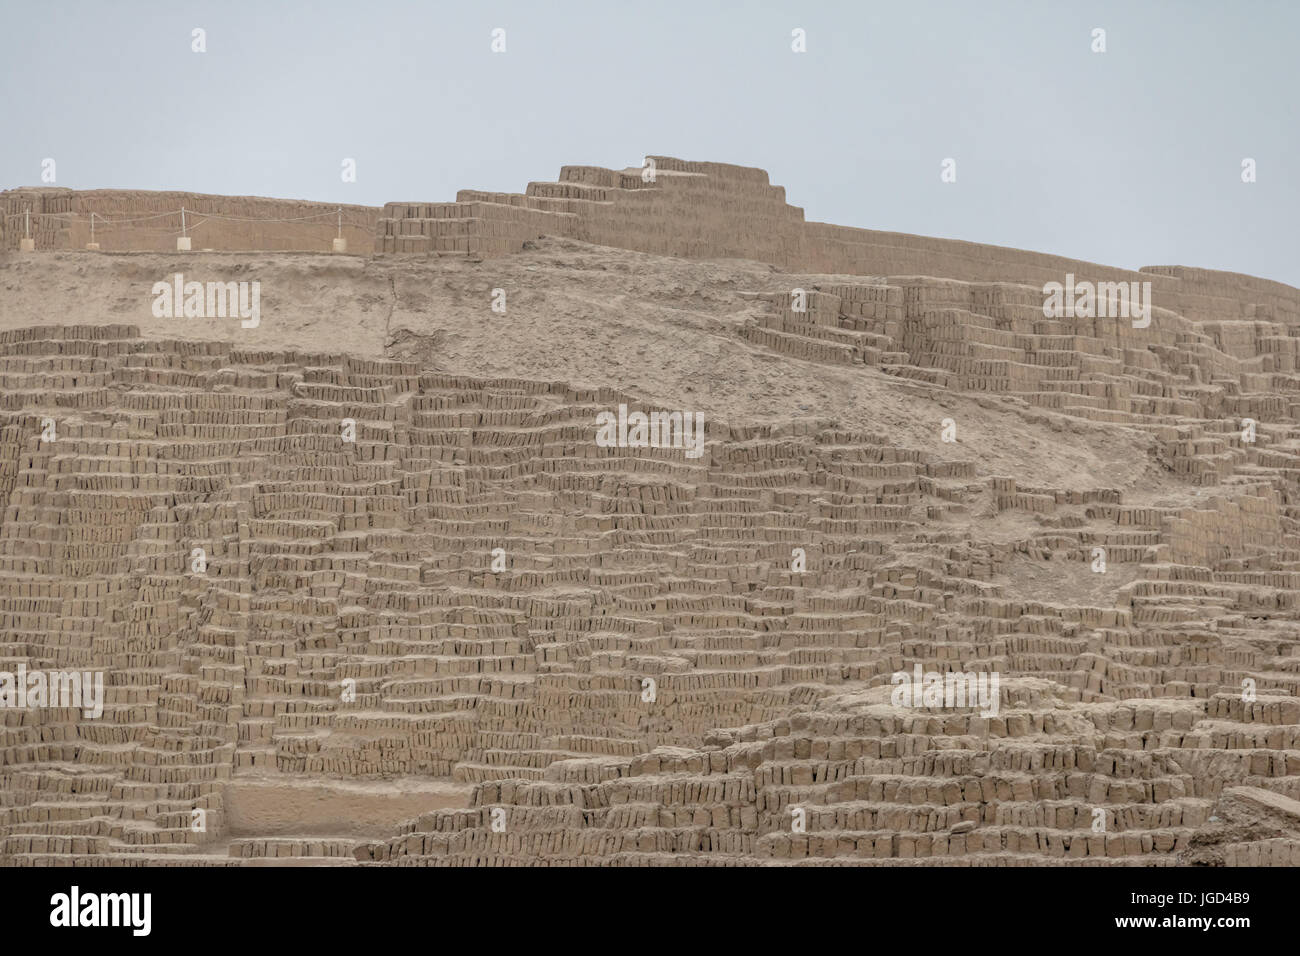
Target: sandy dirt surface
x: 664, y: 329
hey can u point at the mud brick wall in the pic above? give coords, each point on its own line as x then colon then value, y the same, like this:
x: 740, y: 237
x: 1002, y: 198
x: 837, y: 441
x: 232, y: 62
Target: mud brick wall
x: 368, y: 563
x: 60, y: 221
x: 522, y: 691
x: 1226, y: 529
x: 703, y: 210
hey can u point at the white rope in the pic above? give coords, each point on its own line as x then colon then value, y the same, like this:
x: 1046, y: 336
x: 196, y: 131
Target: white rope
x: 98, y: 221
x: 101, y: 219
x: 213, y: 215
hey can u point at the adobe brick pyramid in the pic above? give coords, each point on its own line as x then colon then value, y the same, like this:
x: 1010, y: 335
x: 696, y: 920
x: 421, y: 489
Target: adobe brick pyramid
x: 651, y: 677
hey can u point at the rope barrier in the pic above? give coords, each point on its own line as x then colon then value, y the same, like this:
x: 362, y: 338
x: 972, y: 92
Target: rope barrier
x: 98, y: 222
x: 213, y: 215
x: 101, y: 219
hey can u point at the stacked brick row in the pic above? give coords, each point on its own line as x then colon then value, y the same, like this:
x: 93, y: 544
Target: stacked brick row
x: 370, y: 563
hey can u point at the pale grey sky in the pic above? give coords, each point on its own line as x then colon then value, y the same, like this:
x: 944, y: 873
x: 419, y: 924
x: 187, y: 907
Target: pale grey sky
x: 1130, y: 157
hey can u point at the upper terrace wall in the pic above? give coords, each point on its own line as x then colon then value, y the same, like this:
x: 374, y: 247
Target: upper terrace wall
x: 716, y: 210
x: 695, y: 210
x: 144, y: 221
